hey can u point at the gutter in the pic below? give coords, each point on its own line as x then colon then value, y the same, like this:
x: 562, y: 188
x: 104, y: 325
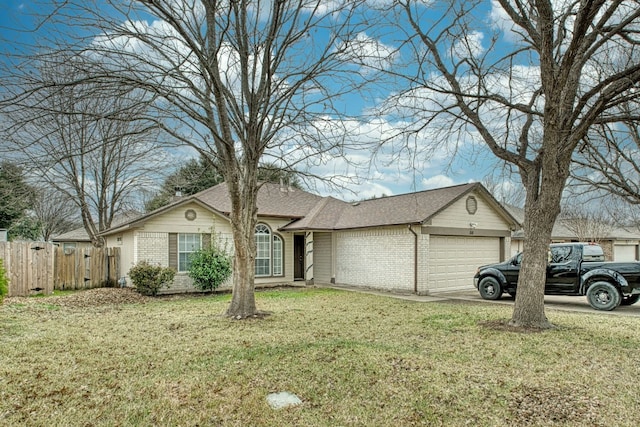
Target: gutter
x: 415, y: 259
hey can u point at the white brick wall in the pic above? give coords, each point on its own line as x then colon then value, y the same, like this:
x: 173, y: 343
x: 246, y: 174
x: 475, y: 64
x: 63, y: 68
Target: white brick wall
x: 153, y: 248
x: 423, y: 266
x: 377, y: 258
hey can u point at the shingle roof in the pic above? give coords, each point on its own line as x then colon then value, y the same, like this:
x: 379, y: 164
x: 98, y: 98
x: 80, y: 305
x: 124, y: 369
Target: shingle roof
x: 273, y: 200
x: 80, y: 234
x: 77, y: 235
x: 312, y: 212
x: 411, y: 208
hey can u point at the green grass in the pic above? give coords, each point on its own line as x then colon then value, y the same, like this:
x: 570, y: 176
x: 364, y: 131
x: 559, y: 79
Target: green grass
x: 354, y: 359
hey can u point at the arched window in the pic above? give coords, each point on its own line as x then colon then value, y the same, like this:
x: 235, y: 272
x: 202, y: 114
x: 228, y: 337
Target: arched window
x: 269, y: 252
x: 263, y: 253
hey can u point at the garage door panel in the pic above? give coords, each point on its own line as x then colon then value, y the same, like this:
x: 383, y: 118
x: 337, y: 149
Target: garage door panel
x: 624, y: 253
x: 453, y: 260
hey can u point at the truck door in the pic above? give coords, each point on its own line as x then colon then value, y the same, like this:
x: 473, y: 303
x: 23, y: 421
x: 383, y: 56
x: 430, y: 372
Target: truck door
x: 562, y: 270
x: 512, y: 270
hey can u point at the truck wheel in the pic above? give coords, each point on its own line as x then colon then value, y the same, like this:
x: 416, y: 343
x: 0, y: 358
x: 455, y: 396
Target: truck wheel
x: 490, y: 288
x: 630, y: 300
x: 603, y: 296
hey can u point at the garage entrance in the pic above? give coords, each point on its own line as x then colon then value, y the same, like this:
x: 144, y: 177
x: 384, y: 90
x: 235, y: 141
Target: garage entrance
x: 625, y: 253
x: 453, y: 260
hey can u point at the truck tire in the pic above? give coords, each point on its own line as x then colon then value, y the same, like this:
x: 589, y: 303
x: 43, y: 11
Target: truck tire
x: 603, y: 296
x: 630, y: 300
x: 490, y: 288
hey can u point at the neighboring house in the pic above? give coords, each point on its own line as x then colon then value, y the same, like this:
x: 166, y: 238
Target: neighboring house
x: 79, y: 238
x: 73, y: 239
x: 423, y: 242
x: 619, y: 244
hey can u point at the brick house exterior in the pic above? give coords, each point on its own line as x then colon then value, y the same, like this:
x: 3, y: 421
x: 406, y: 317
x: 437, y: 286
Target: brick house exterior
x: 423, y: 242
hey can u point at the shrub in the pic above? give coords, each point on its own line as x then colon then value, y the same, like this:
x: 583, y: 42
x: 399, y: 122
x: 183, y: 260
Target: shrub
x: 148, y: 279
x: 210, y: 268
x: 4, y: 282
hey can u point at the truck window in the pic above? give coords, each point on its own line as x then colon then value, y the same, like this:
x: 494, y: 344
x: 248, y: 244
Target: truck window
x: 593, y: 253
x: 562, y: 254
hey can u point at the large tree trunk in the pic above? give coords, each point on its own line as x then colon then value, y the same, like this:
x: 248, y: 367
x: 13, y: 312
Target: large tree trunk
x: 243, y: 223
x: 544, y: 182
x: 529, y: 306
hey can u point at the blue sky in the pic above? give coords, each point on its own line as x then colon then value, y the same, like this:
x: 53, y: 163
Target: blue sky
x: 389, y: 175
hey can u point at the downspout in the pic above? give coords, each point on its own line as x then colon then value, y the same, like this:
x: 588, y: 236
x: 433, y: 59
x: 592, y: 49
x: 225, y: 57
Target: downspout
x: 415, y: 259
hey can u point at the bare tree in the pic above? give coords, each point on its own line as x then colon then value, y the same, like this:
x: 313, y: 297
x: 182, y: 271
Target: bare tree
x: 587, y: 225
x: 529, y: 82
x: 505, y: 190
x: 235, y: 80
x: 54, y: 212
x: 83, y: 140
x: 607, y: 166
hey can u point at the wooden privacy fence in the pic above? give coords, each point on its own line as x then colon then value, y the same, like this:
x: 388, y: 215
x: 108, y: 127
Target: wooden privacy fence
x: 86, y: 268
x: 29, y: 267
x: 42, y: 267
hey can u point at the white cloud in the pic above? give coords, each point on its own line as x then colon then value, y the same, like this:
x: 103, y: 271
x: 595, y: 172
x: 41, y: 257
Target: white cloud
x: 437, y: 181
x: 470, y: 46
x: 369, y: 53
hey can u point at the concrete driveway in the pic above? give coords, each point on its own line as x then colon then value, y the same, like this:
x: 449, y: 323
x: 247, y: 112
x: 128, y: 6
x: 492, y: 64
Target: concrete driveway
x: 575, y: 304
x: 566, y: 303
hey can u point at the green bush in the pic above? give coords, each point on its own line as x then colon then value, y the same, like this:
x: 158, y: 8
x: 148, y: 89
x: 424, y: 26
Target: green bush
x: 210, y: 268
x: 4, y: 282
x: 148, y: 279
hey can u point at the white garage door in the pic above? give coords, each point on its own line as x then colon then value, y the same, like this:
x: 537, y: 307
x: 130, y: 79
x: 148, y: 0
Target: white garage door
x: 453, y: 260
x: 623, y: 253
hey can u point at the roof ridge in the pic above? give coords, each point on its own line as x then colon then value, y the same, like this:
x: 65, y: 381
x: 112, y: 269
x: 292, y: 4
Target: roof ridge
x: 322, y: 203
x: 415, y: 193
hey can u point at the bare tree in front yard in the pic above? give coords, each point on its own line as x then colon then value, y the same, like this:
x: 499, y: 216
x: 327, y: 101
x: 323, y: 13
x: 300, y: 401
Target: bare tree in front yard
x: 234, y: 80
x: 529, y: 80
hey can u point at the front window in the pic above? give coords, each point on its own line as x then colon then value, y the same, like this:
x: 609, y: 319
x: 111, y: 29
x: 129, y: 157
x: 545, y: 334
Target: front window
x: 269, y: 252
x: 187, y: 245
x: 277, y: 256
x: 263, y: 253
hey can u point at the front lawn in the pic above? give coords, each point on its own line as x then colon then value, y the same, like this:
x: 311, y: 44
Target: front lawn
x: 354, y: 360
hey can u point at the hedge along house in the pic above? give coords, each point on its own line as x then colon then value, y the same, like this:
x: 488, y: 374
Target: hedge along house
x: 423, y: 242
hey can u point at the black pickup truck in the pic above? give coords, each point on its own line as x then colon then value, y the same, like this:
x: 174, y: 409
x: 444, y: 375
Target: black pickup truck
x: 573, y: 269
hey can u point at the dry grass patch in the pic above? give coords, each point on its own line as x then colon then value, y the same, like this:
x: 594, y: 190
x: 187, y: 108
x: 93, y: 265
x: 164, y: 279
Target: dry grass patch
x: 353, y: 359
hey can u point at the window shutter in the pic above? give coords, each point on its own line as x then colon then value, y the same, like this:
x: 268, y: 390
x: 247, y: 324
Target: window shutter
x: 173, y: 250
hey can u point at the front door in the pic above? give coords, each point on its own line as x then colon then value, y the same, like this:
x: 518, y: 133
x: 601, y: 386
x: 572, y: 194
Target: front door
x: 298, y: 257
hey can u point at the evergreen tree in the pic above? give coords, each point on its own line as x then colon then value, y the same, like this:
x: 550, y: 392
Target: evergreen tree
x: 16, y: 197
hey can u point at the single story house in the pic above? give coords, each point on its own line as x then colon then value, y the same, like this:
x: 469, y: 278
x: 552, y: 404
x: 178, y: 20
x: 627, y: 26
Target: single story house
x: 422, y: 242
x: 619, y: 243
x: 75, y: 239
x: 78, y: 238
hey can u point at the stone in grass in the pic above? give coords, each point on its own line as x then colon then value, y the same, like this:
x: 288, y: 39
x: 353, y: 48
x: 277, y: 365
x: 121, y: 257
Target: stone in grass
x: 282, y: 400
